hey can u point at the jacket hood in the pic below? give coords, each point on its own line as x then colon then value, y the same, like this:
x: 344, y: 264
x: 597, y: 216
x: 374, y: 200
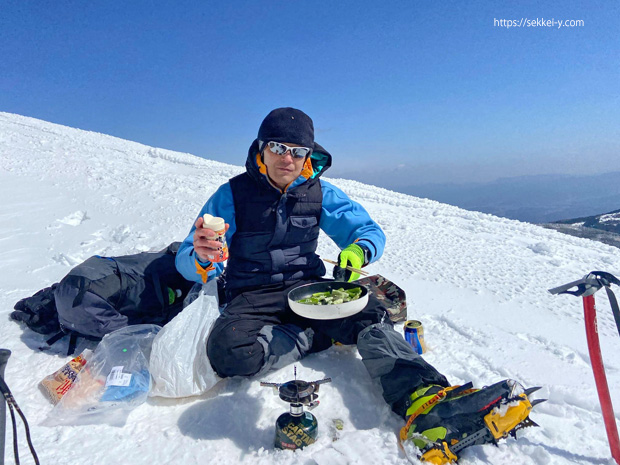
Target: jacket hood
x: 320, y: 161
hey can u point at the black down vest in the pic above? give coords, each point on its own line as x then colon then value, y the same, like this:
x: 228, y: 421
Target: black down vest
x: 276, y: 235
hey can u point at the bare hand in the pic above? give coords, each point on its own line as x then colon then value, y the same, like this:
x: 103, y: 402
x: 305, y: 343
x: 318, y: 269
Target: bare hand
x: 205, y: 244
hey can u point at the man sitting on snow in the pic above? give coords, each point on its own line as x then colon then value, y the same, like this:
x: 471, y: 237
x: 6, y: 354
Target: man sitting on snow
x: 274, y: 212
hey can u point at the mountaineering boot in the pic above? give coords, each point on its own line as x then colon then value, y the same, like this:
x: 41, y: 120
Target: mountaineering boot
x: 443, y: 421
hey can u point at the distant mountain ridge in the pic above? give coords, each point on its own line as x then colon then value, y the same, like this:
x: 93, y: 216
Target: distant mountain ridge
x: 541, y: 198
x: 603, y: 228
x: 607, y: 221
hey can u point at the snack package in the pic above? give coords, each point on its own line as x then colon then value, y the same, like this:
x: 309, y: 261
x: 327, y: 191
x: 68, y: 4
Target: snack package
x: 57, y: 384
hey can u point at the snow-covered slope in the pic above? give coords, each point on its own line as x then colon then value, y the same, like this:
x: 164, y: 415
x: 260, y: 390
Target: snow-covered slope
x: 477, y: 282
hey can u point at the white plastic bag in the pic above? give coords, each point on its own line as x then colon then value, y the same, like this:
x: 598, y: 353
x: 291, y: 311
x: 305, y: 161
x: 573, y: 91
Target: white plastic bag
x: 114, y: 381
x: 179, y: 363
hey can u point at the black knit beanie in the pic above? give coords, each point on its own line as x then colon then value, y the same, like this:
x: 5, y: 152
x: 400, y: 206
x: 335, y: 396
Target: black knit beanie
x: 287, y: 125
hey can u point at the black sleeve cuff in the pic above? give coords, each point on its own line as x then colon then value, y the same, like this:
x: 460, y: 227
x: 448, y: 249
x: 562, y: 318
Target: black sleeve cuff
x: 366, y: 253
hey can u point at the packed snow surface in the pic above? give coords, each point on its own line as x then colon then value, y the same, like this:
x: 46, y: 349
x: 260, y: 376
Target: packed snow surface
x: 477, y: 282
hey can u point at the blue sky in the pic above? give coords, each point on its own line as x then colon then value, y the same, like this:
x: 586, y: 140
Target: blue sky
x: 431, y: 86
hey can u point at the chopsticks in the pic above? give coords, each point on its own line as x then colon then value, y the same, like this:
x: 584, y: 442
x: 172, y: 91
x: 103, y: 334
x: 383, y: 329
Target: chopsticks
x: 350, y: 268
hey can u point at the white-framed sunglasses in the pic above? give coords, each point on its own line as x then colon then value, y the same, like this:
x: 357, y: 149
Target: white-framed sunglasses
x: 280, y: 149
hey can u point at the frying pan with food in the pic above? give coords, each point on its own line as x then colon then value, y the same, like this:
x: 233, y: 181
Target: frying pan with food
x: 330, y: 311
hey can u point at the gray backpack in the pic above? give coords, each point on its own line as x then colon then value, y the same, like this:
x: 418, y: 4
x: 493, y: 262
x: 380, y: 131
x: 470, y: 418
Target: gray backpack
x: 104, y: 294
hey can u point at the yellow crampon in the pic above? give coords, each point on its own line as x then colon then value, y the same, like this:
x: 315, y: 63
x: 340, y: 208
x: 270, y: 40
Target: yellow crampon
x: 439, y: 455
x: 500, y: 422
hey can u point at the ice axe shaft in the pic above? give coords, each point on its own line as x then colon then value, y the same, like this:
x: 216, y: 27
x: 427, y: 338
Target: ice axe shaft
x: 596, y: 359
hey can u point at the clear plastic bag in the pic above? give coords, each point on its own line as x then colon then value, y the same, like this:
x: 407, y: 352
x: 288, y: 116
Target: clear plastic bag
x: 115, y: 380
x: 179, y: 363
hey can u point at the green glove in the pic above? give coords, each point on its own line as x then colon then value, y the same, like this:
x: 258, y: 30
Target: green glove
x: 352, y: 256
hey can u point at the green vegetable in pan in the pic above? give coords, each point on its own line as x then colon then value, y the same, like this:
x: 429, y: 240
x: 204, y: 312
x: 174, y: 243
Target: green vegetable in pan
x: 333, y: 297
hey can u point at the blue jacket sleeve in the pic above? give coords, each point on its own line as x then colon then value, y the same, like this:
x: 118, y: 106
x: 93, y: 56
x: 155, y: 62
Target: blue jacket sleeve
x: 346, y: 221
x: 188, y: 264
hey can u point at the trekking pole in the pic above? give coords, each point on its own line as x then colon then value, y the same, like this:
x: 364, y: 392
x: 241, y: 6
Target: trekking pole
x: 13, y: 409
x: 586, y: 288
x: 4, y: 357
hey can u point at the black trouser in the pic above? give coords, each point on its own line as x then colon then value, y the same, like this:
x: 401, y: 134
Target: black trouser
x: 258, y: 331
